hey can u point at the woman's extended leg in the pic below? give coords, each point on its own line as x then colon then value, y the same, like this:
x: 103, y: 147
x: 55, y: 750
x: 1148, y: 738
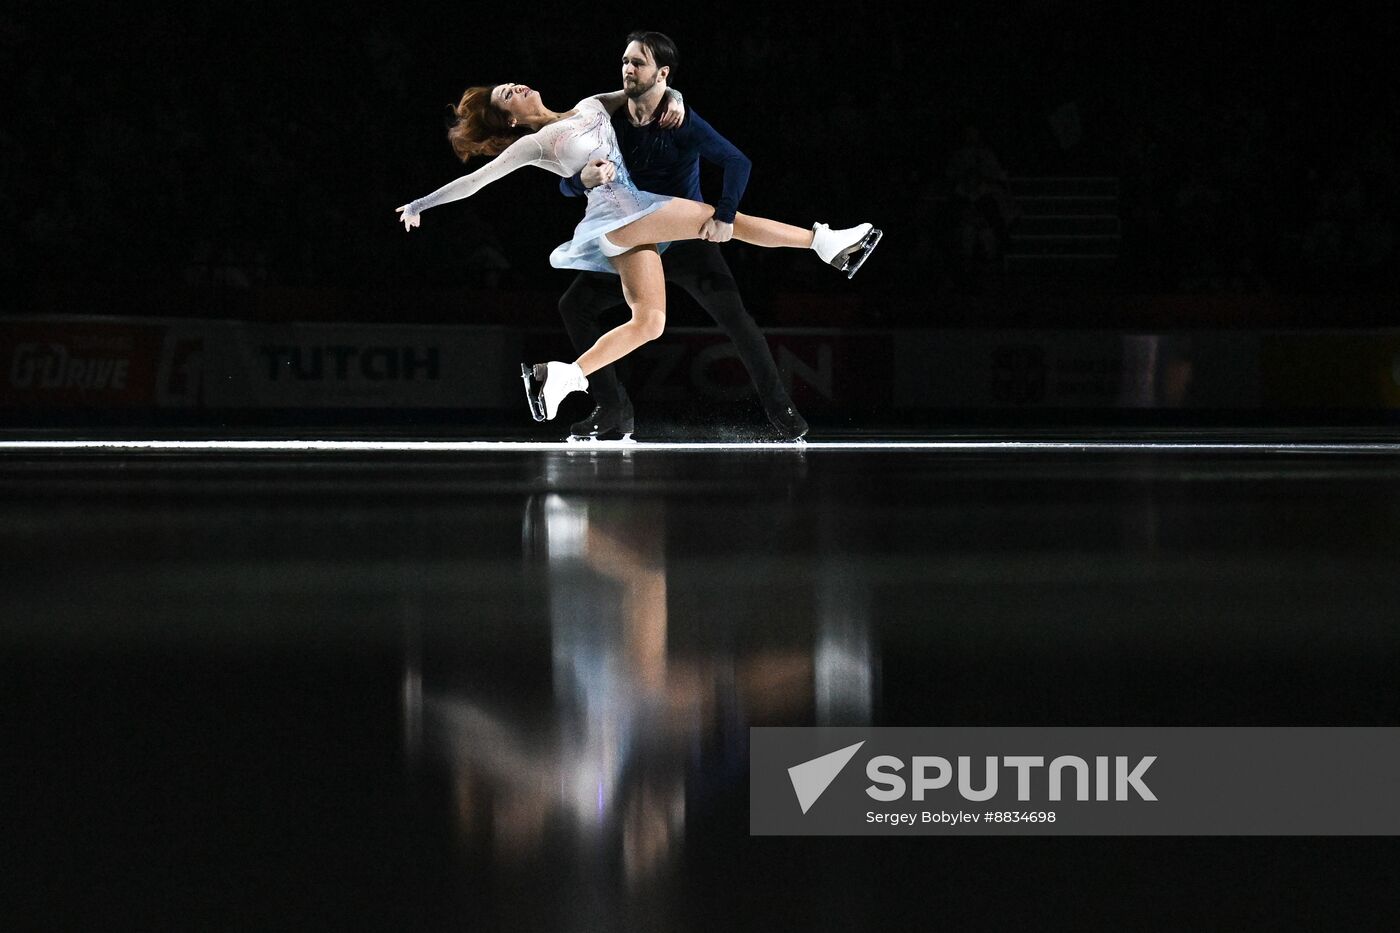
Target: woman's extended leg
x: 680, y: 219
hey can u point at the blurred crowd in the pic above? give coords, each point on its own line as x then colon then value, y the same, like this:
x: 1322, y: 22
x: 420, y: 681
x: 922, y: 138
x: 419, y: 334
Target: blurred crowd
x: 207, y: 155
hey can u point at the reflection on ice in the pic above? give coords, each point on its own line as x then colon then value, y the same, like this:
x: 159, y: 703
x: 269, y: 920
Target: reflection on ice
x: 632, y: 733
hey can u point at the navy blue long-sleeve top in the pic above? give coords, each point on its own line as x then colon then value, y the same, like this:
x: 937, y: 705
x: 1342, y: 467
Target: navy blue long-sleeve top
x: 668, y: 161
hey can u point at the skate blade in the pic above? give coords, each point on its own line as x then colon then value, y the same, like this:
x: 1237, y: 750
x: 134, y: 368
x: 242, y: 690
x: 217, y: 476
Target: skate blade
x: 594, y: 440
x: 532, y: 396
x: 867, y: 246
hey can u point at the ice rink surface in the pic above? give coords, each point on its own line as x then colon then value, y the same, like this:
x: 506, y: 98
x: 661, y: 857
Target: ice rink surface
x: 404, y: 683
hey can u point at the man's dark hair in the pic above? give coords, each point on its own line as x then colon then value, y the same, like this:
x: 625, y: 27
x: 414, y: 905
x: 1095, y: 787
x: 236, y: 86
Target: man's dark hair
x: 662, y: 49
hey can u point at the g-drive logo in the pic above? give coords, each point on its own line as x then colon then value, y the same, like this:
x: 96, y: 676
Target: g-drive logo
x: 1107, y: 778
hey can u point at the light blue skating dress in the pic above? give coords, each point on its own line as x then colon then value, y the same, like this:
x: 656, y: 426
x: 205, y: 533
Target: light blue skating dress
x: 564, y: 148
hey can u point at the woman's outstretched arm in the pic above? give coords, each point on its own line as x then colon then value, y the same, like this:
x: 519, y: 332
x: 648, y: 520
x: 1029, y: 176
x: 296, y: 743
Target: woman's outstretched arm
x: 527, y: 150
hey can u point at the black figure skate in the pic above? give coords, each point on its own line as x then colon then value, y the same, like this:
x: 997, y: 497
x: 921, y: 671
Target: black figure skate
x: 607, y: 422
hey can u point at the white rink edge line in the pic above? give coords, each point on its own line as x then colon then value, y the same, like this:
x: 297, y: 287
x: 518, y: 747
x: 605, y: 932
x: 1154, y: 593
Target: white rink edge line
x: 498, y: 446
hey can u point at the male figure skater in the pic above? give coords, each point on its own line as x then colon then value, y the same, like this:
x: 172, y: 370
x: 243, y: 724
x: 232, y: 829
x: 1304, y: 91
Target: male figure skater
x: 668, y: 162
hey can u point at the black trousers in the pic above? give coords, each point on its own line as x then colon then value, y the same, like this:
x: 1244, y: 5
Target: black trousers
x: 700, y: 269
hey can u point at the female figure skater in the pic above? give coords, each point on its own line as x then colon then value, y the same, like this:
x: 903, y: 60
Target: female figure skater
x: 621, y: 226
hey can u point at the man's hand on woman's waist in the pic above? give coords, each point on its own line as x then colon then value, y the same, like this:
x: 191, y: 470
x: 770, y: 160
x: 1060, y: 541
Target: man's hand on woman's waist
x: 598, y: 172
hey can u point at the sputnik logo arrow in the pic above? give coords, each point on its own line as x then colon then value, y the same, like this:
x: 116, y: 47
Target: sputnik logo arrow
x: 811, y: 778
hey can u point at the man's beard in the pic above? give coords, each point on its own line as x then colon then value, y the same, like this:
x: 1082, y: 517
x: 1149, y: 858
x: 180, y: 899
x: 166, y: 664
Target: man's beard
x: 637, y: 88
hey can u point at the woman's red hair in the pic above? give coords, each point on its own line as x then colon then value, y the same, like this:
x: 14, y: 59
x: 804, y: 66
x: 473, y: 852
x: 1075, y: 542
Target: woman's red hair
x: 482, y: 128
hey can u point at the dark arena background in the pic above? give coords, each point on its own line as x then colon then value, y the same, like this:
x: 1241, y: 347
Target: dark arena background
x: 308, y: 625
